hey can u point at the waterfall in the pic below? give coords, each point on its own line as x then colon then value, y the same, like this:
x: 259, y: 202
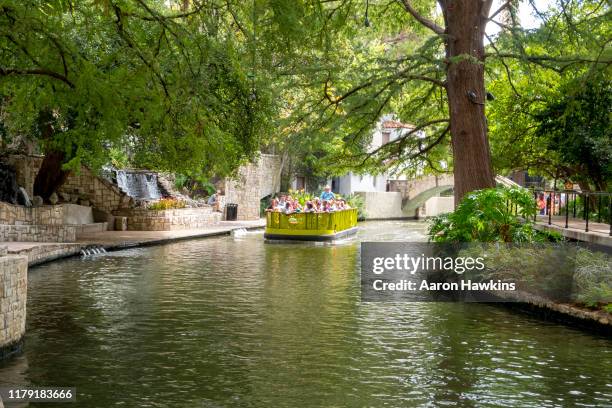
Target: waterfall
x: 138, y: 184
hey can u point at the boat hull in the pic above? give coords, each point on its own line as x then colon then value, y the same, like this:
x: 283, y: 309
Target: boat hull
x: 292, y: 236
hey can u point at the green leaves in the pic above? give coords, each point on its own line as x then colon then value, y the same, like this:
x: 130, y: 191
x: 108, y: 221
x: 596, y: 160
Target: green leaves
x: 173, y: 93
x: 491, y: 215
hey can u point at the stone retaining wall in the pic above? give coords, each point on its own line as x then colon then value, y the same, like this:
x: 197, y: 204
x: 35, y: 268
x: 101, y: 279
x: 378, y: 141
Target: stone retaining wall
x: 19, y: 215
x: 380, y: 205
x: 38, y: 233
x: 252, y: 183
x: 34, y: 224
x: 13, y: 297
x: 169, y: 220
x: 102, y: 194
x: 38, y: 254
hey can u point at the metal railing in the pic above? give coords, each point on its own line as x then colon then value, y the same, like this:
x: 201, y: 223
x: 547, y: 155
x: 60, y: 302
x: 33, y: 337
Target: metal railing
x: 585, y: 205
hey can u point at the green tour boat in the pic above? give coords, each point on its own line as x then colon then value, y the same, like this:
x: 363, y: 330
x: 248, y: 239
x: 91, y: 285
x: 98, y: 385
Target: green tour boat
x: 328, y: 226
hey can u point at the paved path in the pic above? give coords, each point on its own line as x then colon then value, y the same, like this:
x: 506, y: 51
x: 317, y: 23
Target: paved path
x: 39, y: 252
x: 599, y: 233
x: 122, y: 239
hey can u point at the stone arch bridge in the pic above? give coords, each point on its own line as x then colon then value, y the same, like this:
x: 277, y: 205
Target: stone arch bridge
x: 431, y: 195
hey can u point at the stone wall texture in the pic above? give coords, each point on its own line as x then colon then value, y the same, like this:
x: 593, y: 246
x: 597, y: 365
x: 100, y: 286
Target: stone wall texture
x: 169, y: 220
x: 13, y: 297
x: 102, y: 194
x: 20, y: 215
x: 34, y: 224
x: 38, y: 254
x: 252, y: 183
x: 382, y: 204
x: 414, y: 187
x: 26, y: 168
x: 38, y: 233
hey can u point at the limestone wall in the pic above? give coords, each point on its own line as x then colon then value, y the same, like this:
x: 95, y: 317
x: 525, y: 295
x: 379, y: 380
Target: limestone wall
x: 34, y: 224
x: 411, y: 188
x: 101, y: 194
x: 19, y: 215
x: 38, y: 233
x: 253, y: 182
x: 381, y: 205
x: 169, y: 220
x: 439, y: 205
x: 13, y: 297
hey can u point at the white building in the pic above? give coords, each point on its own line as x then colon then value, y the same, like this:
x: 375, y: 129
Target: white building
x: 387, y: 130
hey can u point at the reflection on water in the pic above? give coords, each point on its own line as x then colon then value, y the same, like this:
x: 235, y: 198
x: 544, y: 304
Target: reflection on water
x: 236, y: 322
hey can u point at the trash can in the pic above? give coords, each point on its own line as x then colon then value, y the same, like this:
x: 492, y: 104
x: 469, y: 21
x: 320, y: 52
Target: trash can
x: 231, y: 212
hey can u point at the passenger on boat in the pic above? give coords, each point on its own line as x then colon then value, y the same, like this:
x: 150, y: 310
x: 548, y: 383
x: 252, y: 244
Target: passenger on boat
x: 273, y: 205
x: 327, y: 194
x: 282, y: 201
x: 309, y: 207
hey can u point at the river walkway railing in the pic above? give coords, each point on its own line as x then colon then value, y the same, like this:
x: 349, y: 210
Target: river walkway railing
x: 587, y: 207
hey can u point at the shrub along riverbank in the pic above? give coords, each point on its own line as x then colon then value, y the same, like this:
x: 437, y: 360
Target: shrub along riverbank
x: 504, y: 217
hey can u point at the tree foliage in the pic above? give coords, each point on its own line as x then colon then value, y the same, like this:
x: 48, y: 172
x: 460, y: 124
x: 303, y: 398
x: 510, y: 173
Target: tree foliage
x: 492, y: 215
x: 542, y: 117
x: 351, y: 73
x: 173, y: 87
x: 192, y: 86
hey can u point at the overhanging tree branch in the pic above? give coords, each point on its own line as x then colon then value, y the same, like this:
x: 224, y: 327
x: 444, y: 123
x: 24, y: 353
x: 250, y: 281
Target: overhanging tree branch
x: 422, y: 19
x: 40, y: 71
x: 403, y: 137
x: 501, y: 8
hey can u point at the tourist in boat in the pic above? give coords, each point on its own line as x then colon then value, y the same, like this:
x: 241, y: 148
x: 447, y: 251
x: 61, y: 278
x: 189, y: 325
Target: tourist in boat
x: 309, y: 207
x: 325, y: 207
x: 287, y: 208
x: 327, y: 194
x: 273, y: 205
x: 282, y: 201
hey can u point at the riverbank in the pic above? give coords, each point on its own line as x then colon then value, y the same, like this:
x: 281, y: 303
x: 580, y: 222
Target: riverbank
x: 568, y: 314
x: 42, y: 252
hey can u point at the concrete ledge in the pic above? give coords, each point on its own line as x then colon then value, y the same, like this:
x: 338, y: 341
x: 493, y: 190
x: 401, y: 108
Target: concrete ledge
x: 594, y: 320
x: 578, y: 235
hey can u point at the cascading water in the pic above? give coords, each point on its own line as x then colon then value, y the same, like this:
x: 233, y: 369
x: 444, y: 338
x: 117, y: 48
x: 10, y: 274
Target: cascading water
x: 138, y: 184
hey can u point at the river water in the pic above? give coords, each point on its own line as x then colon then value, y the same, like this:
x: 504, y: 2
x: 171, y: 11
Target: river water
x: 234, y: 322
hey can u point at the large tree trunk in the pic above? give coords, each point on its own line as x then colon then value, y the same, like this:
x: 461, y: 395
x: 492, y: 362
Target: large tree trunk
x: 465, y: 24
x: 50, y: 175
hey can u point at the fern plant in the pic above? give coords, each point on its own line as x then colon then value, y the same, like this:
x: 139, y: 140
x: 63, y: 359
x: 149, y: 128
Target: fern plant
x: 491, y: 215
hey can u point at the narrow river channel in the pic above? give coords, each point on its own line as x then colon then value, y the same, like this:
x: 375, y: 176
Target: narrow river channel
x: 234, y: 322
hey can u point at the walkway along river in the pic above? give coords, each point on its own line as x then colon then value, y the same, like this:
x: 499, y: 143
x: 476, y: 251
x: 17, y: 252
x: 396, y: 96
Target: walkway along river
x: 232, y: 321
